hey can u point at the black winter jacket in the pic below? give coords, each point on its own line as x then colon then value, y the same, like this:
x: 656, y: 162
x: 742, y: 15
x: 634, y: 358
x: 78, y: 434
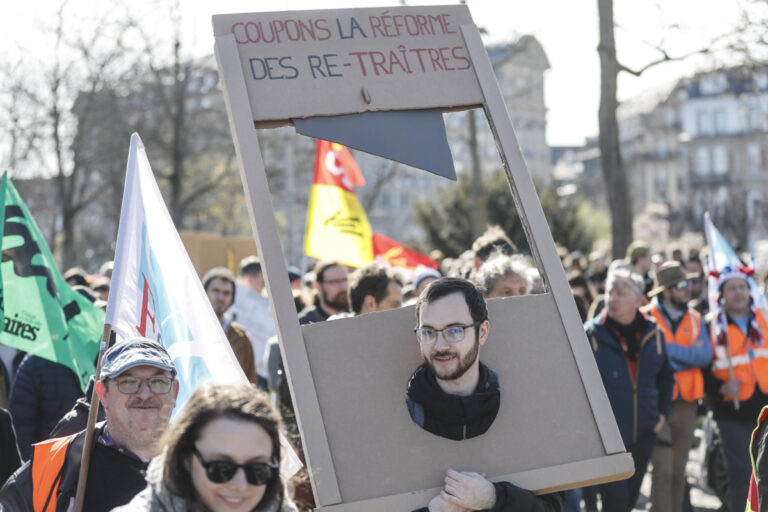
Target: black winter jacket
x: 42, y: 393
x: 636, y: 403
x: 9, y: 451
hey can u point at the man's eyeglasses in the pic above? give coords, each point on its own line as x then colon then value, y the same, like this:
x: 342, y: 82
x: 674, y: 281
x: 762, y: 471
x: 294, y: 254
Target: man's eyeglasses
x: 683, y: 285
x: 341, y: 280
x: 451, y: 334
x: 132, y: 385
x: 220, y: 471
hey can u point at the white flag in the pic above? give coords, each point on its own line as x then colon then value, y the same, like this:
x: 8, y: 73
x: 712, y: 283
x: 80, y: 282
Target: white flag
x: 156, y: 293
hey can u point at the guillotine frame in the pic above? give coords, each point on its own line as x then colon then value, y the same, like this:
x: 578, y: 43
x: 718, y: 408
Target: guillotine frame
x: 555, y: 429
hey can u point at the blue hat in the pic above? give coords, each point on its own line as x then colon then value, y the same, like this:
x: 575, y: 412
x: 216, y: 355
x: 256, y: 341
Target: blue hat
x: 134, y: 352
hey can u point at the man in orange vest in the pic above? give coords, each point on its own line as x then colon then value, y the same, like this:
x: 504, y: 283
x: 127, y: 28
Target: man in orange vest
x: 737, y: 384
x: 138, y: 389
x: 689, y: 350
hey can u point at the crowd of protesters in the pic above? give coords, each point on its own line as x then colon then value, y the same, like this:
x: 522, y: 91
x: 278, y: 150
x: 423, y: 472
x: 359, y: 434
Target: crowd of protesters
x: 660, y: 356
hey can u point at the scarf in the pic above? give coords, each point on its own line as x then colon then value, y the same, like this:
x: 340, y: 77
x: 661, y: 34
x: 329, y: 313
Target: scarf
x: 453, y: 416
x: 628, y: 335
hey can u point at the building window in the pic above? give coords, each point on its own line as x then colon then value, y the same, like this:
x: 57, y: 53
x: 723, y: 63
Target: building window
x: 761, y: 79
x: 721, y: 196
x: 670, y: 117
x: 754, y: 204
x: 720, y: 121
x: 712, y: 84
x: 720, y: 159
x: 701, y: 163
x: 704, y: 122
x: 753, y: 157
x: 661, y: 179
x: 662, y: 147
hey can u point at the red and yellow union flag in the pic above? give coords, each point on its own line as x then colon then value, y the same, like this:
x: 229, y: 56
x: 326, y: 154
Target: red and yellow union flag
x: 337, y: 227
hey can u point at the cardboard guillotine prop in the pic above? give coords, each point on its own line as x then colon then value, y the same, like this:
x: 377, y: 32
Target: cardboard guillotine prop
x: 555, y: 428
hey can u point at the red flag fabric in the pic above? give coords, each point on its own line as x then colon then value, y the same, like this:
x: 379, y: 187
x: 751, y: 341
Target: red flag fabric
x: 397, y: 255
x: 335, y: 166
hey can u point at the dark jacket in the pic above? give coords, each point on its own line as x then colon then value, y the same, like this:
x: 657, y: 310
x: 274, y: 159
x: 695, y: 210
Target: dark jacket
x: 313, y: 314
x: 10, y: 460
x: 42, y: 393
x: 5, y: 384
x: 453, y: 416
x: 638, y: 403
x: 510, y: 498
x: 114, y: 478
x: 77, y: 418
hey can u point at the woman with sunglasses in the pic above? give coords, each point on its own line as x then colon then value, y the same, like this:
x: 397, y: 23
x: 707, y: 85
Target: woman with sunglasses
x: 222, y: 453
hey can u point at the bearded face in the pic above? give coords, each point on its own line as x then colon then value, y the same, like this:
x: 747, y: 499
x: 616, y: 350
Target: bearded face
x: 449, y: 364
x: 333, y: 288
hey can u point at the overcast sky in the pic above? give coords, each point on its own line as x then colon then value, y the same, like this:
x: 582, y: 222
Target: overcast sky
x: 567, y: 29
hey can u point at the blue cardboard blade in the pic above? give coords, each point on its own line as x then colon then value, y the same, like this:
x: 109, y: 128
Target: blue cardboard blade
x: 412, y: 137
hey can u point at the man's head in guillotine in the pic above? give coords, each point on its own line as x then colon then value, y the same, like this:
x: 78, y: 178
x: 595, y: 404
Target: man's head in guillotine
x: 452, y: 326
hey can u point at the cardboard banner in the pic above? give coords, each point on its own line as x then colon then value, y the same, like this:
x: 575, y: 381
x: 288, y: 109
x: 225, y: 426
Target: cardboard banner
x: 312, y: 63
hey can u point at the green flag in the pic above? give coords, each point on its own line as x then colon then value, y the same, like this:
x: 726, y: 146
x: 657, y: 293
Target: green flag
x: 41, y: 313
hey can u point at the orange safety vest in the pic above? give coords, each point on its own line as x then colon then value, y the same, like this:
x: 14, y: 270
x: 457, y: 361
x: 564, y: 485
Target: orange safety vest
x: 750, y: 362
x: 688, y: 383
x: 47, y: 464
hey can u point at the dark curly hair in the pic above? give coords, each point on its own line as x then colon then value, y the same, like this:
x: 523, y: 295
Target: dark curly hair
x: 371, y: 279
x: 473, y: 296
x: 208, y: 403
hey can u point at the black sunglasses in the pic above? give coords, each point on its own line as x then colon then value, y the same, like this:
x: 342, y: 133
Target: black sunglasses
x: 220, y: 471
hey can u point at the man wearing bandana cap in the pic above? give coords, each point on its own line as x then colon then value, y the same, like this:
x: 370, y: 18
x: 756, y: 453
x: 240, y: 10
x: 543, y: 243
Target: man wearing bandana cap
x: 737, y: 383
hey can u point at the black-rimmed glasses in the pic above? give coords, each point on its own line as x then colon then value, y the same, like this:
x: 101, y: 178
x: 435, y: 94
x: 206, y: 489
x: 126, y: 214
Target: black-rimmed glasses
x: 451, y: 334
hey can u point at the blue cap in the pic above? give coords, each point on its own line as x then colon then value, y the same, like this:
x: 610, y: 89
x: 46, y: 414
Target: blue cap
x: 134, y: 352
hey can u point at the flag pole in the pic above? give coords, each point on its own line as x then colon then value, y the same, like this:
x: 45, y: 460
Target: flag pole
x: 85, y: 459
x: 731, y: 373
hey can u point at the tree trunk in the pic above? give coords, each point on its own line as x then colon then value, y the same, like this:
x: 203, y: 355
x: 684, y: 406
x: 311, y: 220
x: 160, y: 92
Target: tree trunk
x: 177, y: 150
x: 478, y: 219
x: 614, y: 175
x: 68, y: 258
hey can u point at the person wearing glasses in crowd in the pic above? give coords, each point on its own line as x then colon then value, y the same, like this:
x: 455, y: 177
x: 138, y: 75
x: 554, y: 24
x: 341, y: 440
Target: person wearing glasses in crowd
x: 331, y: 288
x: 689, y: 351
x: 454, y: 395
x: 138, y: 390
x: 221, y: 454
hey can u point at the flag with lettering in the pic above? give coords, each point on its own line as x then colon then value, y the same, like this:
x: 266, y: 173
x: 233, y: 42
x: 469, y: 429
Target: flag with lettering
x: 157, y: 294
x: 155, y: 290
x: 42, y: 315
x: 398, y: 255
x: 337, y: 227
